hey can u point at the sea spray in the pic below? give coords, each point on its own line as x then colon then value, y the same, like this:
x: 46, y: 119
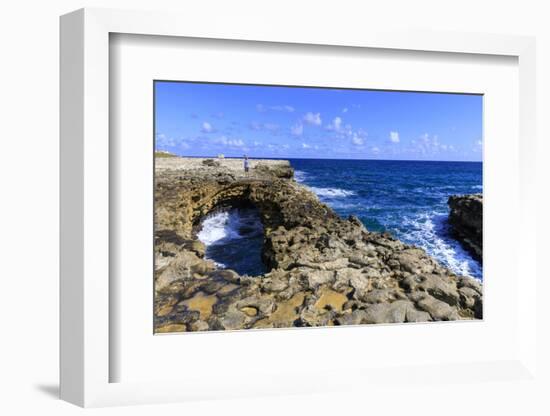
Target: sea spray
x: 233, y: 240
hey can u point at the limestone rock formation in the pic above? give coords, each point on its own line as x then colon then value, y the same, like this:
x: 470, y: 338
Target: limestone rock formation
x: 466, y: 220
x: 322, y: 269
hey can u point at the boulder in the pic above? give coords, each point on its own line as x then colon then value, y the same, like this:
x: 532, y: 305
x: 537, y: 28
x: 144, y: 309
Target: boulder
x: 466, y: 220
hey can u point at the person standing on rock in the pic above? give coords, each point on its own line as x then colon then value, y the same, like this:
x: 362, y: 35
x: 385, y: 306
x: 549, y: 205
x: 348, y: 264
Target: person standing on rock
x: 246, y: 164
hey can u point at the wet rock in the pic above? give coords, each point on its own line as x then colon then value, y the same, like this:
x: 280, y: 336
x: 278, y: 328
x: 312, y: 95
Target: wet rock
x: 466, y: 220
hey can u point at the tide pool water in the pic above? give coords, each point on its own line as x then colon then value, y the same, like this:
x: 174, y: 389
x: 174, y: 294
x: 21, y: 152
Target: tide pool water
x: 406, y: 198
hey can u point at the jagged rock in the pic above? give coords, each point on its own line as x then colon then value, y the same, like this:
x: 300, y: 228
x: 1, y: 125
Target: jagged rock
x: 466, y: 220
x: 330, y: 300
x: 394, y: 312
x: 440, y: 287
x: 211, y: 162
x: 321, y: 269
x: 356, y: 317
x: 170, y: 328
x: 438, y: 310
x: 319, y: 277
x: 384, y: 296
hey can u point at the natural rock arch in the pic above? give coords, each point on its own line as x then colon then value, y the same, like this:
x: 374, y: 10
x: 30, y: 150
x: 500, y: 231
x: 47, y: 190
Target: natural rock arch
x: 325, y: 270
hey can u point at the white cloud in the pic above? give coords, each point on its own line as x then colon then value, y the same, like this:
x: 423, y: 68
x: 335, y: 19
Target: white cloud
x: 344, y: 110
x: 428, y: 145
x: 230, y: 142
x: 164, y: 141
x: 336, y: 124
x: 306, y: 146
x: 394, y: 136
x: 271, y: 127
x: 285, y: 108
x: 297, y: 129
x: 207, y: 127
x: 357, y: 140
x: 313, y: 118
x: 478, y: 146
x: 375, y: 150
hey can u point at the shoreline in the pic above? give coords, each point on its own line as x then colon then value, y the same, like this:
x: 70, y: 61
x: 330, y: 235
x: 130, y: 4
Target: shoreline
x: 333, y: 270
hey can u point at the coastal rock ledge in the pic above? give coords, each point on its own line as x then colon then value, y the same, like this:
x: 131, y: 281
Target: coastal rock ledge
x: 466, y: 220
x: 321, y: 269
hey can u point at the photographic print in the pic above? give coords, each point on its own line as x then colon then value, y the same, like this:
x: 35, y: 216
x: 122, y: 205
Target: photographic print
x: 289, y: 206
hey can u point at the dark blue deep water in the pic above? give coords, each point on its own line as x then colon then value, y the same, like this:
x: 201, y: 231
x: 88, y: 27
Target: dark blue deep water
x: 405, y: 198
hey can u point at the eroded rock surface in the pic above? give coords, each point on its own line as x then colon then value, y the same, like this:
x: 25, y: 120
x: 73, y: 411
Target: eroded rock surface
x: 323, y: 270
x: 466, y: 219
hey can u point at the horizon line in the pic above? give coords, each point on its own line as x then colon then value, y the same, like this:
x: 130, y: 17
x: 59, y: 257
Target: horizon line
x: 322, y: 158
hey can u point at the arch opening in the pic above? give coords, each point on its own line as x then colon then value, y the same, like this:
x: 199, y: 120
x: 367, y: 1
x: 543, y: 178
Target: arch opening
x: 233, y: 234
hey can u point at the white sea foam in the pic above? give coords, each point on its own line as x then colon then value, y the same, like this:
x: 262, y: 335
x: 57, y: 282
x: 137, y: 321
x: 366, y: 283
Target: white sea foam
x: 425, y: 230
x: 331, y: 192
x: 221, y: 227
x: 217, y: 227
x: 300, y: 176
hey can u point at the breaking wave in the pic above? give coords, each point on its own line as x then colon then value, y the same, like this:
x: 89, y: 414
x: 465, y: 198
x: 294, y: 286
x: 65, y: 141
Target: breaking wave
x: 430, y: 231
x: 234, y: 239
x: 331, y: 192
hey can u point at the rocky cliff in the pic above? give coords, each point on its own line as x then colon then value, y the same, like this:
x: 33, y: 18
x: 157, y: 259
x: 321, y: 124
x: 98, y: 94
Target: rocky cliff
x: 466, y: 219
x: 322, y: 269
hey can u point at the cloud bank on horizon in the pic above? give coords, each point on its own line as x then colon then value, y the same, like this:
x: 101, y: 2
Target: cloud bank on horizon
x: 199, y: 119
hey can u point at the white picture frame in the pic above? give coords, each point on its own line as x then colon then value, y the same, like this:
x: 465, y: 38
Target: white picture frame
x: 85, y: 206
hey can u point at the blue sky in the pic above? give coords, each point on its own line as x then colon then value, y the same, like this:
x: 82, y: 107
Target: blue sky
x: 195, y: 119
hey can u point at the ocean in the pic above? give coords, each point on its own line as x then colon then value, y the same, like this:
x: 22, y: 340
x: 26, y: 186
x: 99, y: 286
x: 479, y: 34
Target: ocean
x: 405, y: 198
